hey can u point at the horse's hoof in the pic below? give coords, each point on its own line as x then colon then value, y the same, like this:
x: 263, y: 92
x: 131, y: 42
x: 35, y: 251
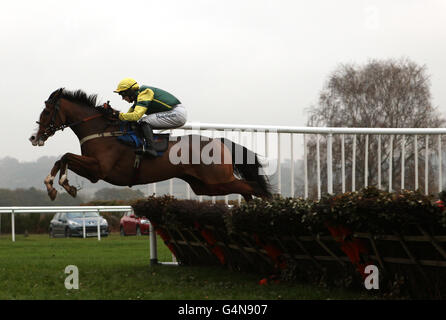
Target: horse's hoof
x: 73, y: 191
x: 52, y: 194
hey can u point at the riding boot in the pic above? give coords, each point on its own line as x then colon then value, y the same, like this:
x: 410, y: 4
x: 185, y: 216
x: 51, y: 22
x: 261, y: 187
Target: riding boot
x: 148, y: 136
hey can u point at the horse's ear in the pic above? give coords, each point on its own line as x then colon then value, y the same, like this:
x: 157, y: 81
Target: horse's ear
x: 56, y: 93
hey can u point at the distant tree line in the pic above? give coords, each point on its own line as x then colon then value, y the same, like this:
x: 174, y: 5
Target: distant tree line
x: 34, y: 197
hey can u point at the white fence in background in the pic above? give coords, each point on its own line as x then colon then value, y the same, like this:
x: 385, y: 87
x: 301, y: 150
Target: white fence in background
x: 268, y: 142
x: 98, y: 209
x: 54, y: 209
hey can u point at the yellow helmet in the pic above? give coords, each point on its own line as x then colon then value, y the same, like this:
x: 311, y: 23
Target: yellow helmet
x: 126, y: 84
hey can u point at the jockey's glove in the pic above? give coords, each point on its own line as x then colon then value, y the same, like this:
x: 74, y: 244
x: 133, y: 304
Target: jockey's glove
x: 115, y: 114
x: 110, y: 112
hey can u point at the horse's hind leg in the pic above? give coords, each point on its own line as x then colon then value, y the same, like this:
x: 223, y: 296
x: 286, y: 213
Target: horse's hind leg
x: 245, y: 188
x: 237, y: 186
x: 52, y: 192
x: 247, y: 197
x: 220, y: 189
x: 198, y: 187
x: 202, y: 189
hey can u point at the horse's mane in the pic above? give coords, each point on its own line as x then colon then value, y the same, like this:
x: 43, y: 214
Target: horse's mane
x: 80, y: 97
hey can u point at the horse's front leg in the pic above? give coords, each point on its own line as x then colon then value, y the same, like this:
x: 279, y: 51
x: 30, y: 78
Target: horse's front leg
x: 84, y: 166
x: 52, y: 192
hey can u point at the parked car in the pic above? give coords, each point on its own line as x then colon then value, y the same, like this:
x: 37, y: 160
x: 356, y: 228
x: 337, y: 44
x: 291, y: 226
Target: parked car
x: 133, y: 225
x: 70, y: 224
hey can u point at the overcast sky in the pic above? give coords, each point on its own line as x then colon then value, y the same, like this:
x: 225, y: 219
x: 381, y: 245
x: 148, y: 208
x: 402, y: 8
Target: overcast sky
x: 232, y: 61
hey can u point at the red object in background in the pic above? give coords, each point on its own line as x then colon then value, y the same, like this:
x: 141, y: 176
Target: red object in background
x: 210, y: 239
x: 275, y: 254
x: 133, y: 225
x: 440, y: 204
x: 353, y: 248
x: 166, y: 238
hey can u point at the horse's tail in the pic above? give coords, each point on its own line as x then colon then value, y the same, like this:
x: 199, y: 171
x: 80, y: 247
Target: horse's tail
x: 246, y: 165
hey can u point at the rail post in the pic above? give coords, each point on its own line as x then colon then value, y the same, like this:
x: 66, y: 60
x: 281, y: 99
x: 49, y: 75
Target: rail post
x: 153, y: 248
x: 83, y: 225
x: 292, y: 165
x: 12, y: 225
x: 99, y: 225
x: 279, y: 170
x: 305, y: 168
x: 330, y: 163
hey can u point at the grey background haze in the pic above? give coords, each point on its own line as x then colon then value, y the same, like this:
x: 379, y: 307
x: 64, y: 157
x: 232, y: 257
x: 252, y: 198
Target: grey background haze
x: 241, y: 62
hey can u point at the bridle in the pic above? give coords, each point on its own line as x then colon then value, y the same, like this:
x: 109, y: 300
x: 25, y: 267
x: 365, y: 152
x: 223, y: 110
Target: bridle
x: 52, y: 128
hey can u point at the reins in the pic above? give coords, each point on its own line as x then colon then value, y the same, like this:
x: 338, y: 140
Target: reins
x: 52, y: 128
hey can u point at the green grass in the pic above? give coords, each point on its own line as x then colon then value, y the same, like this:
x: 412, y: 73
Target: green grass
x: 119, y: 268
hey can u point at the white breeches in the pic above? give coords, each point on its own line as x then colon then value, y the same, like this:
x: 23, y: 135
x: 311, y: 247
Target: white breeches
x: 171, y: 119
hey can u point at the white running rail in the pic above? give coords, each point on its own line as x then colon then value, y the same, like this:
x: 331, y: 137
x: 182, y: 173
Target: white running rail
x: 55, y: 209
x: 83, y: 209
x: 267, y: 141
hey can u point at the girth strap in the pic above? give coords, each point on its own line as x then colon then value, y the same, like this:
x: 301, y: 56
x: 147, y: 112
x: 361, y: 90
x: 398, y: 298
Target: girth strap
x: 101, y: 135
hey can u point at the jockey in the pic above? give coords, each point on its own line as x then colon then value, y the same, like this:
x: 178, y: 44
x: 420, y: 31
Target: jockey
x: 152, y: 108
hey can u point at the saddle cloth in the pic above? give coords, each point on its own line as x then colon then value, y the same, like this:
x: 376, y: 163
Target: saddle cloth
x: 130, y: 138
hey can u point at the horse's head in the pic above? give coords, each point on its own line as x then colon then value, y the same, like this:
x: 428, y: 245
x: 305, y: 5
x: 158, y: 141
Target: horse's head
x: 51, y: 119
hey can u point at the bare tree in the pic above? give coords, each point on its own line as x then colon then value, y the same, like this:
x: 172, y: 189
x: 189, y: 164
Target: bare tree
x: 380, y: 94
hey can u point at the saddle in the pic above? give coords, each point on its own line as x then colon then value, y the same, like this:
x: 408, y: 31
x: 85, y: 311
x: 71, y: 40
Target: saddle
x: 131, y: 138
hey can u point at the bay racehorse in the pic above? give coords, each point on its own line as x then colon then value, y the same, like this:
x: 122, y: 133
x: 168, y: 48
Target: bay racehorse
x: 104, y: 157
